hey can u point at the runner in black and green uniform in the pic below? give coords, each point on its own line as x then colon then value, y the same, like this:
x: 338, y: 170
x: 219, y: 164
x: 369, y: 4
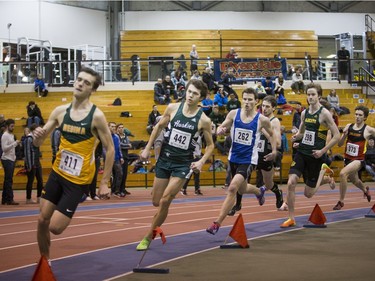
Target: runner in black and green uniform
x: 184, y: 121
x: 315, y: 123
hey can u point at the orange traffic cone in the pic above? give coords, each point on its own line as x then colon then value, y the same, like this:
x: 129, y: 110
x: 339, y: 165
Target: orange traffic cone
x: 238, y: 233
x: 43, y: 271
x: 317, y: 218
x: 371, y: 213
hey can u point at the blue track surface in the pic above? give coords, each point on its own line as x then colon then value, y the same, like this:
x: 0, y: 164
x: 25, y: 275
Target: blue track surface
x: 107, y: 263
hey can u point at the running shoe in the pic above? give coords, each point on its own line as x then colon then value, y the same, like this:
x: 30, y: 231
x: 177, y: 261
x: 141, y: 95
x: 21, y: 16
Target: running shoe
x: 288, y: 223
x: 329, y: 171
x: 260, y: 197
x: 213, y: 228
x: 279, y: 198
x: 284, y: 207
x: 144, y: 244
x: 234, y: 210
x: 183, y: 192
x: 367, y: 194
x: 338, y: 206
x: 198, y: 192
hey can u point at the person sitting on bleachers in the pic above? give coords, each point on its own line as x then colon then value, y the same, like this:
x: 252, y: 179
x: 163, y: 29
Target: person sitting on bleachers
x: 221, y: 99
x: 169, y: 87
x: 40, y: 87
x: 160, y: 96
x: 209, y: 80
x: 269, y: 86
x: 207, y: 104
x: 34, y: 114
x: 297, y: 81
x: 334, y: 101
x: 228, y: 80
x: 152, y: 119
x: 233, y: 103
x: 259, y: 89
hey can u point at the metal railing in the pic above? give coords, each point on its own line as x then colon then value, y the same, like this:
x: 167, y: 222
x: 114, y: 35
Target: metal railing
x: 63, y: 73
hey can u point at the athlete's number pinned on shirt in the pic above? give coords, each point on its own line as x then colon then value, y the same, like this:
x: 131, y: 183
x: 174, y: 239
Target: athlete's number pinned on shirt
x: 352, y: 149
x: 179, y: 139
x: 261, y: 145
x: 243, y: 136
x: 308, y: 138
x: 71, y: 163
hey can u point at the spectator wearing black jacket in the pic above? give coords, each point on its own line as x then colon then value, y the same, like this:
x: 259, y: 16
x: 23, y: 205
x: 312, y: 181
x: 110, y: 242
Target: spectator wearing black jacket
x: 160, y: 96
x: 34, y: 114
x: 152, y: 119
x: 33, y: 166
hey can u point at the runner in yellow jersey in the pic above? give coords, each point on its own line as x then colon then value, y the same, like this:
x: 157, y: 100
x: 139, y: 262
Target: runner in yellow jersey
x: 80, y: 123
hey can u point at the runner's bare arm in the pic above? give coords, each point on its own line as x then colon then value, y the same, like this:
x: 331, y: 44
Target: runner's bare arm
x: 227, y: 124
x: 55, y: 118
x: 166, y: 117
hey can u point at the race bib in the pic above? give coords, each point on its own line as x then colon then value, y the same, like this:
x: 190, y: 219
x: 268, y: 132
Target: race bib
x: 308, y: 138
x: 179, y: 139
x: 71, y: 163
x: 261, y: 145
x: 352, y: 149
x: 243, y: 136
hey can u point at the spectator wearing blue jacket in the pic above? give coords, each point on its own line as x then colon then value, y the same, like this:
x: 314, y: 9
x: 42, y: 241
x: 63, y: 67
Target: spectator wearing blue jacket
x: 40, y: 87
x: 221, y: 99
x: 207, y: 104
x: 269, y: 86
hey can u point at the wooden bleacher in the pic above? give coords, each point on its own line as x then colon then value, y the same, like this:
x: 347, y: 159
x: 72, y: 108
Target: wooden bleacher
x: 292, y: 44
x: 139, y: 104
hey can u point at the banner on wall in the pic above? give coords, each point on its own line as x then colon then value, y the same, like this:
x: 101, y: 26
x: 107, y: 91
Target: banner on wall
x: 250, y: 69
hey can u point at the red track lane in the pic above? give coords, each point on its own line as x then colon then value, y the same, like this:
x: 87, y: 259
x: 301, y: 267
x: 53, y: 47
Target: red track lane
x: 98, y: 229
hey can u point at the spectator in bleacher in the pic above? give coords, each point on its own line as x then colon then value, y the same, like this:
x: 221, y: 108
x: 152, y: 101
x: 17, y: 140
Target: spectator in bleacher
x: 216, y: 117
x: 296, y: 117
x: 260, y: 91
x: 279, y: 89
x: 269, y: 86
x: 196, y: 75
x: 297, y: 81
x: 118, y: 161
x: 180, y: 78
x: 343, y: 57
x: 160, y: 96
x: 209, y: 79
x: 33, y: 166
x: 233, y: 103
x: 370, y: 158
x: 34, y: 114
x: 152, y: 119
x: 231, y: 54
x: 334, y: 101
x: 8, y: 160
x: 169, y: 87
x: 228, y: 80
x: 40, y: 87
x: 125, y: 145
x: 207, y: 104
x: 221, y: 99
x: 193, y: 59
